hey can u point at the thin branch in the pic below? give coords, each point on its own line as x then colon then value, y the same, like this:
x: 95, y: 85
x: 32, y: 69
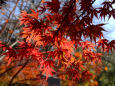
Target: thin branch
x: 12, y: 66
x: 60, y: 27
x: 10, y: 83
x: 12, y: 33
x: 9, y: 69
x: 5, y: 25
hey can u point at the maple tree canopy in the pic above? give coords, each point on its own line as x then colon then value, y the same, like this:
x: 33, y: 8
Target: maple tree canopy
x: 53, y: 33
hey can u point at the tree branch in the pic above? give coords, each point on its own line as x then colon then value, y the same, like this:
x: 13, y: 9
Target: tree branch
x: 9, y: 69
x: 4, y: 27
x: 10, y: 83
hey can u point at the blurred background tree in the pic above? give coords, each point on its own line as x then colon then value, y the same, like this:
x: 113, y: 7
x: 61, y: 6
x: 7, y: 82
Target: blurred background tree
x: 107, y: 76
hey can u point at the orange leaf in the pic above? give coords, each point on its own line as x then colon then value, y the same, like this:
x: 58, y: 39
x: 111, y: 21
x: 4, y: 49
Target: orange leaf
x: 106, y: 68
x: 6, y: 20
x: 42, y: 1
x: 11, y: 31
x: 3, y: 13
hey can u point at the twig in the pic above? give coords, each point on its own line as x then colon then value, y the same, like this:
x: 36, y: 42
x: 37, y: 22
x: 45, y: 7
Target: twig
x: 12, y: 33
x: 4, y: 27
x: 9, y: 69
x: 10, y: 83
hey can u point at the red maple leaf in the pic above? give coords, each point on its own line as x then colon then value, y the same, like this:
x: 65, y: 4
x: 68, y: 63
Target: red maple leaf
x: 47, y: 71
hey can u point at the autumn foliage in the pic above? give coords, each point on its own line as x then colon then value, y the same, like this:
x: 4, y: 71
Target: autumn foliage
x: 53, y: 35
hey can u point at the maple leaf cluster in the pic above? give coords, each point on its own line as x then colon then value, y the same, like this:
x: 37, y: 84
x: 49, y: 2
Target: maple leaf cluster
x: 55, y: 31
